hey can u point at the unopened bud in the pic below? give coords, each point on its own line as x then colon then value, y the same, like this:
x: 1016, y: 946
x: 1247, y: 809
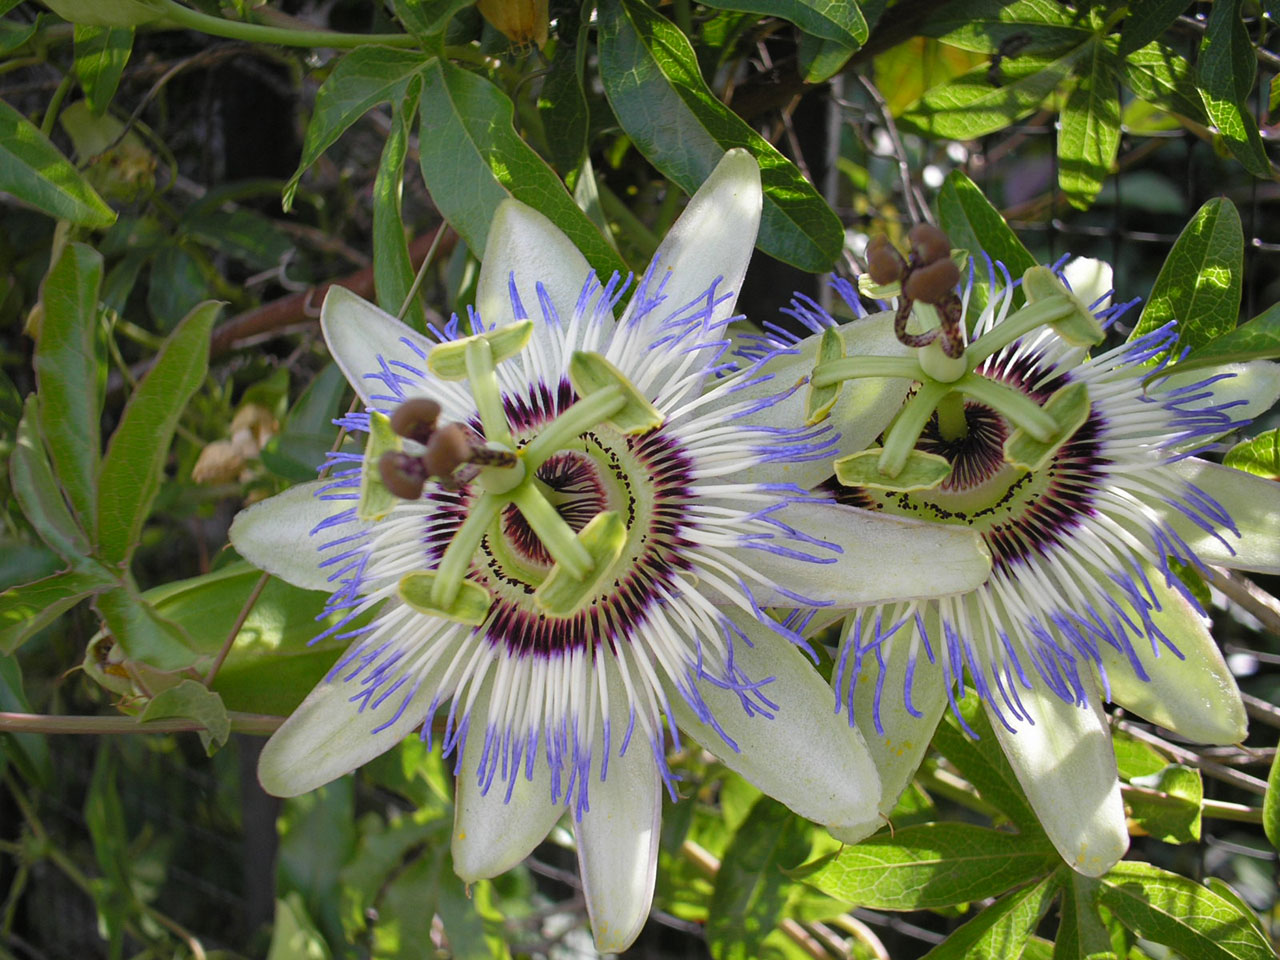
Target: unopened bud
x: 928, y: 243
x: 884, y: 263
x: 932, y: 282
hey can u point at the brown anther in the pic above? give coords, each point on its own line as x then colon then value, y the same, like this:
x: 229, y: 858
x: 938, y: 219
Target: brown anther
x: 931, y: 283
x: 884, y: 263
x: 402, y: 474
x: 415, y: 419
x: 928, y: 243
x: 449, y: 448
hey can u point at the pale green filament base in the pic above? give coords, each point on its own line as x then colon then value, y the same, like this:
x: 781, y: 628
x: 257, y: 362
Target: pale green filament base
x: 900, y: 439
x: 603, y: 538
x: 859, y: 368
x: 1012, y: 403
x: 952, y: 422
x: 821, y: 399
x: 588, y: 412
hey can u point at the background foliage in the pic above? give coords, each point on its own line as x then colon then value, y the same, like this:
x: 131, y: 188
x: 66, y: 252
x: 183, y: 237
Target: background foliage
x: 162, y: 367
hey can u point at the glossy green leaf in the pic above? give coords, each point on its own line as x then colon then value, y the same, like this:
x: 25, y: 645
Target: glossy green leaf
x: 1271, y: 804
x: 750, y: 888
x: 1199, y: 284
x: 973, y: 224
x: 100, y: 57
x: 30, y: 607
x: 1167, y: 805
x: 819, y: 60
x: 28, y: 752
x: 1227, y: 68
x: 838, y: 20
x: 1259, y: 455
x: 1134, y: 758
x: 34, y: 171
x: 364, y: 78
x: 473, y: 159
x: 931, y: 865
x: 562, y: 101
x: 425, y: 18
x: 67, y: 371
x: 1081, y: 934
x: 1162, y: 76
x: 191, y: 700
x: 983, y: 764
x: 1089, y: 133
x: 141, y: 632
x: 1002, y: 929
x: 653, y: 82
x: 969, y: 106
x: 133, y: 467
x: 38, y: 492
x: 393, y: 272
x: 1180, y: 913
x: 1146, y: 21
x: 1258, y: 339
x: 1008, y: 27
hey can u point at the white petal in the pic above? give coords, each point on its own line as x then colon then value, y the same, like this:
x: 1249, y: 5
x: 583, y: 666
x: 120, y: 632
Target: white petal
x: 1089, y: 280
x: 1253, y: 503
x: 491, y: 834
x: 361, y: 337
x: 901, y: 747
x: 526, y: 248
x: 1067, y: 768
x: 618, y: 847
x: 806, y: 756
x: 274, y: 535
x: 713, y: 238
x: 328, y: 735
x: 1255, y: 386
x: 882, y: 557
x: 1195, y: 697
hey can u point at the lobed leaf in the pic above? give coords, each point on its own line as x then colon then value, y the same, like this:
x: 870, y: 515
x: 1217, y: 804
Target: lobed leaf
x: 1081, y: 933
x: 141, y: 632
x: 38, y: 491
x: 1145, y: 21
x: 36, y: 172
x: 1163, y: 77
x: 1002, y: 929
x: 393, y: 272
x: 652, y: 80
x: 1089, y: 132
x: 1227, y: 68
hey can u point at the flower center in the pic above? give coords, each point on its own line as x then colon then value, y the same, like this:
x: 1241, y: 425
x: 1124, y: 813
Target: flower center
x: 573, y: 486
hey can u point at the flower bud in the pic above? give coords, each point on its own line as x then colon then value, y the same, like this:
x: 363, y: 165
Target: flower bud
x: 932, y: 282
x: 219, y: 462
x: 884, y: 263
x: 928, y: 243
x: 520, y: 21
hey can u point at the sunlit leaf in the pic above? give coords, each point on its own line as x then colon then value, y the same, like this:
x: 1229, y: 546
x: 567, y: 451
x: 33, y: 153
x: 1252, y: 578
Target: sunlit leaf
x: 33, y: 170
x: 1227, y: 69
x: 29, y: 607
x: 1258, y: 455
x: 1257, y: 339
x: 100, y: 57
x: 1001, y: 930
x: 1089, y: 136
x: 1009, y: 27
x: 1167, y: 805
x: 838, y: 20
x: 191, y: 700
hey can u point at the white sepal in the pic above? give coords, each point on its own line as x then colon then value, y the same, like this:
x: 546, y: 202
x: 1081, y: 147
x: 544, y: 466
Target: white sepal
x: 275, y: 535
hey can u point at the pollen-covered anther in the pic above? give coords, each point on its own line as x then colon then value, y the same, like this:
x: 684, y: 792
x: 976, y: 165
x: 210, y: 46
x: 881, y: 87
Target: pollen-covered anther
x: 415, y: 419
x: 884, y: 264
x: 402, y: 474
x: 928, y: 243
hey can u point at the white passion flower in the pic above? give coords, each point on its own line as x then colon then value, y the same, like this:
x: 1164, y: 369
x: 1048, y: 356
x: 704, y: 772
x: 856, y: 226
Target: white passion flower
x: 557, y: 530
x: 1077, y: 472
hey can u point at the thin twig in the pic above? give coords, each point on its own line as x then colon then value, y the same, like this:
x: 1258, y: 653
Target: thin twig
x: 1193, y: 759
x: 1261, y: 709
x: 1240, y: 589
x: 235, y: 628
x: 918, y: 211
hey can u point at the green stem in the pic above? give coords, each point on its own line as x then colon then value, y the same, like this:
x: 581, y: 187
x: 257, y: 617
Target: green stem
x: 483, y: 374
x: 259, y: 33
x: 590, y: 411
x: 1011, y: 403
x: 1022, y: 322
x: 853, y: 368
x: 900, y: 439
x: 952, y: 423
x: 55, y: 105
x: 462, y: 549
x: 556, y: 535
x: 257, y: 723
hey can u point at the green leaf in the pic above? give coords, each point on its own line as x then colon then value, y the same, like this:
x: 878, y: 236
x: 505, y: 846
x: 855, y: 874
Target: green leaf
x: 107, y: 13
x: 1168, y: 804
x: 969, y: 106
x: 751, y: 889
x: 380, y: 852
x: 192, y: 700
x: 473, y: 159
x: 983, y: 764
x: 1162, y: 76
x: 293, y: 934
x: 30, y: 607
x: 1089, y: 135
x: 1008, y: 27
x: 33, y: 170
x: 29, y: 752
x: 472, y: 924
x: 973, y: 224
x: 931, y: 865
x: 1271, y: 804
x: 67, y: 363
x: 246, y: 235
x: 652, y: 80
x: 1180, y: 913
x: 1080, y: 931
x: 100, y: 57
x: 1135, y: 758
x: 1258, y: 339
x: 133, y: 467
x: 104, y: 816
x: 424, y: 18
x: 1001, y: 930
x: 562, y: 101
x: 393, y: 271
x: 1199, y: 284
x: 142, y: 633
x: 1146, y: 20
x: 1229, y: 893
x: 1258, y: 455
x: 364, y: 78
x: 819, y: 60
x: 14, y: 35
x: 317, y: 836
x: 177, y: 286
x: 38, y: 491
x: 837, y: 20
x: 1227, y: 68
